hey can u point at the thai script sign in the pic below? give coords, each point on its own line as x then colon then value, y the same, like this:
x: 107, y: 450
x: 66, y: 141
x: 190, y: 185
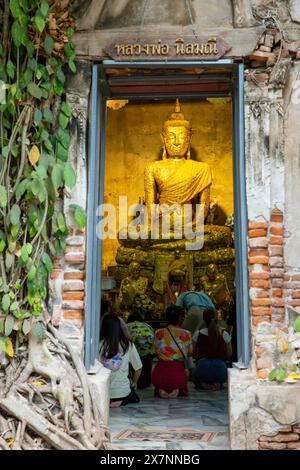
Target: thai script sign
x: 177, y: 49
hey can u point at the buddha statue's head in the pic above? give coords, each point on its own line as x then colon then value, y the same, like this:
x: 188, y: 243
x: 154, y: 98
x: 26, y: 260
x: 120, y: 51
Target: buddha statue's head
x: 134, y: 269
x: 176, y: 135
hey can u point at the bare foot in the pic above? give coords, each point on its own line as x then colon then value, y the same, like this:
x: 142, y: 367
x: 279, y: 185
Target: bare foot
x: 174, y: 393
x: 162, y: 393
x: 115, y: 404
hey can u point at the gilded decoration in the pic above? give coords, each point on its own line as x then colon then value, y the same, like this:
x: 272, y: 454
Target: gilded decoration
x: 161, y: 269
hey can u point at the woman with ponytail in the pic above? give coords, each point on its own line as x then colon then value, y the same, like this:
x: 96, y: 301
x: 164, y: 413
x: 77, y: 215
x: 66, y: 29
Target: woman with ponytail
x: 211, y: 350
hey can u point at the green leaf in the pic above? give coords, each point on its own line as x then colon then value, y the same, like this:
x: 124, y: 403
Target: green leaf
x: 79, y: 215
x: 57, y: 176
x: 40, y: 23
x: 1, y: 328
x: 47, y: 262
x: 281, y: 375
x: 66, y: 109
x: 26, y: 327
x: 44, y: 8
x: 9, y: 259
x: 5, y: 302
x: 15, y: 8
x: 10, y: 69
x: 21, y: 188
x: 60, y: 76
x: 61, y: 153
x: 14, y: 306
x: 9, y: 325
x: 72, y: 66
x: 38, y: 116
x: 31, y: 273
x: 63, y: 120
x: 15, y: 214
x: 35, y: 186
x: 2, y: 246
x: 69, y: 176
x: 16, y: 33
x: 39, y: 331
x: 70, y: 32
x: 48, y: 44
x: 3, y: 196
x: 61, y: 222
x: 64, y: 138
x: 26, y: 250
x: 297, y: 324
x: 48, y: 115
x: 34, y: 90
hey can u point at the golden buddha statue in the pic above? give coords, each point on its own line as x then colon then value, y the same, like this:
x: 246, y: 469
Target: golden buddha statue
x: 177, y: 179
x: 132, y: 285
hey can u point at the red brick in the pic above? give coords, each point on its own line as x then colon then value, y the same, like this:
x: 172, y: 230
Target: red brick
x: 277, y: 217
x: 278, y: 302
x: 73, y: 314
x: 74, y: 249
x: 55, y: 274
x: 258, y: 260
x: 296, y: 294
x: 277, y: 292
x: 260, y: 56
x: 285, y: 437
x: 258, y: 252
x: 276, y: 230
x: 293, y: 445
x: 73, y: 295
x: 256, y: 225
x: 73, y: 305
x: 294, y: 303
x: 259, y: 275
x: 74, y: 275
x: 257, y: 320
x: 276, y: 262
x: 277, y: 272
x: 259, y: 351
x: 262, y: 374
x: 287, y: 277
x: 296, y: 429
x: 260, y: 283
x: 295, y: 277
x: 74, y: 258
x: 276, y: 240
x: 261, y: 302
x: 259, y: 242
x: 276, y: 251
x: 286, y: 428
x: 259, y: 232
x: 272, y: 446
x: 261, y: 311
x: 277, y: 283
x: 262, y: 293
x: 73, y: 285
x: 292, y: 285
x: 264, y: 363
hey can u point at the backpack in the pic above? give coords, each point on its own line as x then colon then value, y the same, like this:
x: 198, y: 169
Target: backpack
x: 113, y: 363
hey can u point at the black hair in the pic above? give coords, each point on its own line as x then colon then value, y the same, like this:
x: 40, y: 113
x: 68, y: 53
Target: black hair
x: 105, y: 306
x: 113, y: 337
x: 173, y: 315
x: 135, y: 316
x: 210, y: 319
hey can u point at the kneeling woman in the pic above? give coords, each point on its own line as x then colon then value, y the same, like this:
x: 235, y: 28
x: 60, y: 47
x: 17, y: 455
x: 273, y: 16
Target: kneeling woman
x: 173, y: 347
x: 211, y: 349
x: 116, y: 353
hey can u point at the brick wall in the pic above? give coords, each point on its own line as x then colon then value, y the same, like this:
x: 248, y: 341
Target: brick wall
x: 288, y: 438
x: 67, y: 281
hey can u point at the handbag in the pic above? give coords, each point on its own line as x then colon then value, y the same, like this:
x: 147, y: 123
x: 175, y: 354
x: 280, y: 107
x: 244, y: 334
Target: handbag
x: 188, y: 362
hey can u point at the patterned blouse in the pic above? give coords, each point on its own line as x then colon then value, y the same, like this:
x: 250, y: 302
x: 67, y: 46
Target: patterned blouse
x: 165, y: 347
x: 141, y: 334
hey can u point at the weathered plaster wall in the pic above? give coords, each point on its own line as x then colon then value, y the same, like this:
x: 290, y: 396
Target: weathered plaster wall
x: 292, y: 169
x: 133, y: 140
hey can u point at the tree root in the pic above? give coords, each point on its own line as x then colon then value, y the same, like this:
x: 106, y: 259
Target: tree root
x: 47, y: 401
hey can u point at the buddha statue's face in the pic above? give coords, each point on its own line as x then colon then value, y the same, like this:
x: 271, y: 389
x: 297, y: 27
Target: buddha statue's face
x: 177, y: 141
x: 134, y: 270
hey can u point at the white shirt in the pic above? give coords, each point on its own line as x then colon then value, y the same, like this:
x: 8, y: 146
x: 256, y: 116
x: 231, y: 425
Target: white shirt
x: 119, y: 382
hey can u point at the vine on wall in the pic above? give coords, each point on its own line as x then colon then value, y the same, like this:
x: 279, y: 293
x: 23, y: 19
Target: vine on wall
x: 34, y: 170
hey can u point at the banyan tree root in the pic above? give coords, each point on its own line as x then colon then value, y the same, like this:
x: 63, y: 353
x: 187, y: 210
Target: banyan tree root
x: 46, y: 399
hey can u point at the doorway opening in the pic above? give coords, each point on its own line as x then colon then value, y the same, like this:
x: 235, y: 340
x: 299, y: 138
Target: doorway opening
x: 129, y: 104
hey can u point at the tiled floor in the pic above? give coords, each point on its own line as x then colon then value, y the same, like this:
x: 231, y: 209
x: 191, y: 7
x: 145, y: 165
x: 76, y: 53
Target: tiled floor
x: 206, y: 411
